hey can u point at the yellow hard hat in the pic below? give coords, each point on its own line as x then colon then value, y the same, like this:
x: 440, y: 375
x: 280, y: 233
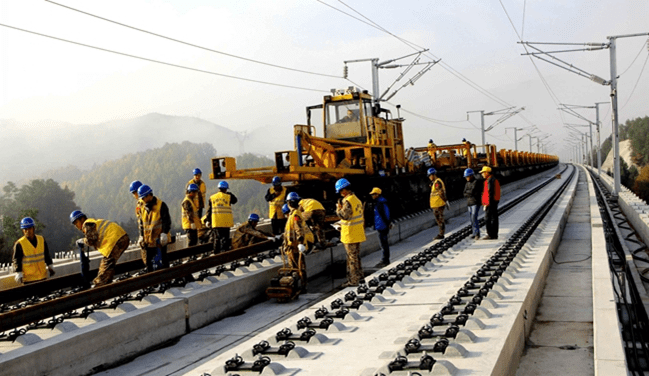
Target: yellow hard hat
x: 485, y: 169
x: 376, y: 191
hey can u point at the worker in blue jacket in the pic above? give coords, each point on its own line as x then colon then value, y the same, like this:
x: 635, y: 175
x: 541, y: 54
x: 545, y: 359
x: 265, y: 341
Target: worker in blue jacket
x: 382, y: 224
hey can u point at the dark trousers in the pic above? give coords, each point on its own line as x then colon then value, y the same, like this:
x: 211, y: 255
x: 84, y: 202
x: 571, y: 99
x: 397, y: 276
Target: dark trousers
x: 221, y: 239
x: 383, y: 238
x: 491, y: 220
x: 192, y: 237
x: 278, y: 225
x: 156, y: 252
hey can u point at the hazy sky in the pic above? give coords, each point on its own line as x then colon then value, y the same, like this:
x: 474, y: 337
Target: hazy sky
x: 48, y: 82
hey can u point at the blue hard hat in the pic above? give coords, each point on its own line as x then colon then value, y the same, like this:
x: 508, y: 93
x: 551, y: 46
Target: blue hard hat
x: 134, y: 186
x: 144, y: 190
x: 293, y: 196
x: 276, y: 180
x: 286, y: 209
x: 464, y: 140
x: 197, y: 171
x: 253, y: 217
x: 342, y: 183
x: 76, y: 215
x: 192, y: 188
x: 431, y: 171
x: 430, y: 141
x: 223, y: 185
x: 26, y: 223
x: 468, y: 172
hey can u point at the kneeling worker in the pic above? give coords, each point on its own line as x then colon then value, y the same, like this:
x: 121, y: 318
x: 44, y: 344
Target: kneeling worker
x: 31, y: 257
x: 107, y: 237
x: 247, y: 233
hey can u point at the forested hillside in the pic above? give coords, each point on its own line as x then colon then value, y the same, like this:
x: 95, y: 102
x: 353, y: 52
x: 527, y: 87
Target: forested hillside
x: 103, y: 191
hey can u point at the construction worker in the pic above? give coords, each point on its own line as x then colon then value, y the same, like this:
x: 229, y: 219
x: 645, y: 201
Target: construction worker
x: 432, y: 150
x: 199, y: 199
x: 465, y: 151
x: 294, y: 247
x: 314, y: 215
x: 352, y: 230
x: 191, y: 220
x: 107, y: 237
x: 155, y: 224
x: 31, y: 258
x: 382, y: 224
x: 437, y: 200
x: 490, y: 199
x: 220, y: 207
x: 276, y: 195
x: 135, y: 185
x: 247, y: 233
x: 473, y: 194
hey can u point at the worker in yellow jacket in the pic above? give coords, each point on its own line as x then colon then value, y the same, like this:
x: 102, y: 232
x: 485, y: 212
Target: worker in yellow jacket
x: 220, y: 207
x: 437, y: 200
x: 314, y: 215
x: 352, y: 230
x: 31, y: 258
x: 276, y: 195
x: 107, y: 237
x: 199, y: 198
x: 298, y: 239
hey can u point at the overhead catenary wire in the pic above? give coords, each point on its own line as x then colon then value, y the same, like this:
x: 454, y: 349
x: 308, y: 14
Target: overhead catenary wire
x: 192, y: 44
x: 637, y: 81
x: 162, y: 62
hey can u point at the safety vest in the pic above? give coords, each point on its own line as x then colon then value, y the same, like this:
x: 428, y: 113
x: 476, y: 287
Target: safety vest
x: 109, y: 234
x: 152, y: 224
x: 34, y: 268
x: 309, y: 205
x: 201, y: 192
x: 485, y: 191
x: 290, y: 228
x: 435, y: 195
x: 187, y: 225
x: 221, y: 210
x: 275, y: 205
x: 352, y: 230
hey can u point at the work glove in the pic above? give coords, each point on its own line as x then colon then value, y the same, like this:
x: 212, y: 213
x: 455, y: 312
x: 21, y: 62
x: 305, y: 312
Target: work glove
x: 271, y: 238
x: 278, y: 236
x: 81, y: 243
x: 301, y: 248
x: 51, y: 269
x: 164, y: 239
x: 207, y: 224
x: 19, y: 277
x: 484, y: 208
x: 193, y: 226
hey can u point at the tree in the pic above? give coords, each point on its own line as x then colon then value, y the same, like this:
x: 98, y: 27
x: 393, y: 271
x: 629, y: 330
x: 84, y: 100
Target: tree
x: 638, y: 132
x: 641, y: 186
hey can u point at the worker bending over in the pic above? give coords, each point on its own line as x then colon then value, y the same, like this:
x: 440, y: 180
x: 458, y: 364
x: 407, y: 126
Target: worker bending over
x: 31, y: 258
x: 107, y: 237
x: 220, y: 207
x: 296, y: 235
x: 155, y: 226
x: 314, y: 215
x: 191, y: 220
x: 247, y: 233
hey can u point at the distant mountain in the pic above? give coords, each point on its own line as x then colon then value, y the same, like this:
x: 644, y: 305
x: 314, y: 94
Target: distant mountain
x: 29, y: 150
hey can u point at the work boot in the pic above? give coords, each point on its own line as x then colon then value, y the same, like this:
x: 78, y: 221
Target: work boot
x: 440, y: 236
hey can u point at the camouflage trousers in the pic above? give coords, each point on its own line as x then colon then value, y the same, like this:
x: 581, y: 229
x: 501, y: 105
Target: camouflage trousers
x: 107, y: 265
x: 316, y: 220
x: 295, y: 260
x: 354, y: 268
x: 439, y: 217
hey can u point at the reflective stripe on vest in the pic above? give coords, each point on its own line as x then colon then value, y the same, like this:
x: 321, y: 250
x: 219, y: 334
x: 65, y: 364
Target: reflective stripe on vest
x: 352, y: 230
x: 275, y: 205
x: 221, y: 210
x: 109, y: 234
x: 152, y: 224
x: 309, y: 205
x: 187, y: 225
x: 435, y: 199
x: 34, y: 268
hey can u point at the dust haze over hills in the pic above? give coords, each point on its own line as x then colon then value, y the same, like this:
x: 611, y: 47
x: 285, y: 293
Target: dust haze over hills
x: 61, y: 150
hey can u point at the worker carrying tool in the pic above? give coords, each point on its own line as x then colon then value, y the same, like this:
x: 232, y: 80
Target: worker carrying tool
x: 155, y: 224
x: 313, y: 213
x: 31, y: 258
x: 352, y: 230
x: 191, y: 220
x: 107, y: 237
x: 247, y: 233
x: 220, y: 207
x: 437, y: 200
x: 276, y: 195
x: 199, y: 199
